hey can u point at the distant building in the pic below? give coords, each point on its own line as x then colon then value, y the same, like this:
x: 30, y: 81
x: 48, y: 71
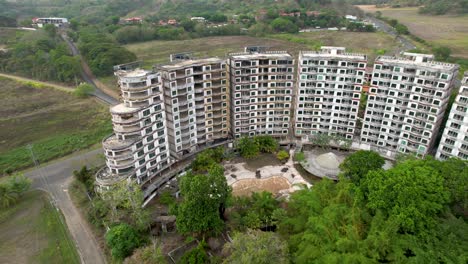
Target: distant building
x: 313, y: 13
x: 56, y: 21
x: 454, y: 142
x: 133, y: 20
x: 290, y: 14
x: 198, y: 19
x: 350, y: 17
x: 172, y: 22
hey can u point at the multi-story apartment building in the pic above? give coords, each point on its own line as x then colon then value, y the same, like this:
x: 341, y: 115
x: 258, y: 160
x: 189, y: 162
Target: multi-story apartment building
x: 262, y: 89
x: 454, y: 142
x: 138, y: 148
x: 329, y: 91
x: 406, y: 104
x: 196, y: 97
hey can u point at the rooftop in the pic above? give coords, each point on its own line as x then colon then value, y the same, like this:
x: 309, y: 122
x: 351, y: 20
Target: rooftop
x: 262, y: 55
x: 186, y: 63
x: 123, y: 109
x: 329, y: 51
x: 414, y: 59
x: 112, y: 142
x: 133, y: 73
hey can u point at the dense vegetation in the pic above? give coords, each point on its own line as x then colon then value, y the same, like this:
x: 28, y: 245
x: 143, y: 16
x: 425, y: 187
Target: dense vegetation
x: 101, y: 51
x: 12, y: 188
x: 41, y: 55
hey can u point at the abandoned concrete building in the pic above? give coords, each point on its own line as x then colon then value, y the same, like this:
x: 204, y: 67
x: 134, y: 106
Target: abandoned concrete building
x: 175, y: 110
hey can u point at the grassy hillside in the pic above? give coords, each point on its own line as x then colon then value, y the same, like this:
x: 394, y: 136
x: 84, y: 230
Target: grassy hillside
x: 54, y: 122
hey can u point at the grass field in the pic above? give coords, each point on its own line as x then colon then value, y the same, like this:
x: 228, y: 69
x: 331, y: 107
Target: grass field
x: 447, y: 30
x: 157, y: 52
x: 54, y: 122
x: 33, y: 232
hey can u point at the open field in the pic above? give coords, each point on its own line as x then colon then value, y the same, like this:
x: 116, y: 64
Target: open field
x: 157, y: 52
x: 32, y: 232
x: 447, y: 30
x: 54, y: 122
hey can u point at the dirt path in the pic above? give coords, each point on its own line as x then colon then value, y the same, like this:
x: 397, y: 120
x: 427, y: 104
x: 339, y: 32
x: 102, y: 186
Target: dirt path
x: 55, y: 178
x: 52, y: 85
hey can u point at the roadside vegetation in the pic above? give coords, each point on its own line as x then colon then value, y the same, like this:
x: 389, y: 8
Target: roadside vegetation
x: 41, y: 55
x: 55, y: 123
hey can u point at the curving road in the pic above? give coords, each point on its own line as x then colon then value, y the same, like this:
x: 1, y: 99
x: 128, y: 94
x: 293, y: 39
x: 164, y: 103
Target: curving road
x: 382, y: 26
x: 55, y: 178
x: 87, y: 75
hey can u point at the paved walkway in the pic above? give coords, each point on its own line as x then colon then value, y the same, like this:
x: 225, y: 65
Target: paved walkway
x: 55, y: 178
x: 286, y: 171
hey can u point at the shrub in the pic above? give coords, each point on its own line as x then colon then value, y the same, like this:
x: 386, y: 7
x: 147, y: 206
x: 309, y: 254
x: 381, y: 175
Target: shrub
x: 83, y: 90
x: 195, y: 256
x: 282, y: 155
x: 122, y: 240
x: 299, y: 156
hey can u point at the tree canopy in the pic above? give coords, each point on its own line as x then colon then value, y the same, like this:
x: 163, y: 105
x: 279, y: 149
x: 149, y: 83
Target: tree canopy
x: 204, y: 199
x: 356, y: 166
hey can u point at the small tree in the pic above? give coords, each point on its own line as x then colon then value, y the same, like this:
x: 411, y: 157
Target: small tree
x: 122, y: 240
x: 12, y: 189
x: 401, y: 29
x: 83, y: 90
x: 442, y: 53
x: 247, y: 147
x: 151, y: 254
x: 282, y: 155
x: 266, y: 144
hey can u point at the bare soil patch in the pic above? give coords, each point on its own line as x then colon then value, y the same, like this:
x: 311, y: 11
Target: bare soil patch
x: 246, y: 187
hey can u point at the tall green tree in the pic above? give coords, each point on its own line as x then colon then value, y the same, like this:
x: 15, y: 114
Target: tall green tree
x: 122, y: 240
x: 356, y: 166
x: 204, y: 199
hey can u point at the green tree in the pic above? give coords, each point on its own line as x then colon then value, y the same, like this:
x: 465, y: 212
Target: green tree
x: 83, y: 90
x: 204, y: 199
x: 411, y: 194
x: 442, y: 53
x: 266, y: 144
x: 51, y: 30
x: 207, y: 158
x: 256, y: 247
x: 393, y: 22
x: 122, y: 239
x: 281, y: 24
x: 282, y: 155
x: 124, y: 201
x: 195, y: 256
x: 247, y: 147
x: 402, y: 29
x: 12, y: 188
x: 356, y: 166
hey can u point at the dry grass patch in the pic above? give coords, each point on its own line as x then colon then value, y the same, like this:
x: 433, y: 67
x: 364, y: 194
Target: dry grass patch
x: 447, y: 30
x: 246, y: 187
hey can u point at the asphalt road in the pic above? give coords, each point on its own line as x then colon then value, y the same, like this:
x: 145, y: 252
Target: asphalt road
x: 382, y: 26
x: 98, y: 93
x: 55, y: 178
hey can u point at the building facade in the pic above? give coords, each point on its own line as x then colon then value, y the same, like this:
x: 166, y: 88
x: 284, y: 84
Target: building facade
x: 196, y: 97
x: 139, y: 147
x: 328, y: 94
x: 407, y: 100
x: 454, y: 142
x: 262, y: 89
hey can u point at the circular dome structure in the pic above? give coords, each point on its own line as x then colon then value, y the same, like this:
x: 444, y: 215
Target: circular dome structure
x: 328, y: 161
